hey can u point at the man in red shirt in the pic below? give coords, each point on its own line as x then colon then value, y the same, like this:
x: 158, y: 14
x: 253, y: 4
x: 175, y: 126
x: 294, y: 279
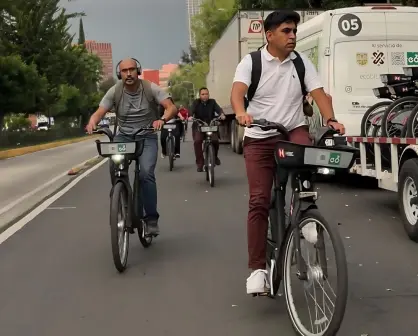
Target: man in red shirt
x: 183, y: 113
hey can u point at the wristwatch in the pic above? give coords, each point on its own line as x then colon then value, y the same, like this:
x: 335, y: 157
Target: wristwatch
x: 163, y: 119
x: 332, y: 119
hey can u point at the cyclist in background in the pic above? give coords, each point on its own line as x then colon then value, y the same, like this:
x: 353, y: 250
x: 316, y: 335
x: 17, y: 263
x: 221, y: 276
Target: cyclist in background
x: 205, y: 109
x: 184, y: 116
x: 176, y: 133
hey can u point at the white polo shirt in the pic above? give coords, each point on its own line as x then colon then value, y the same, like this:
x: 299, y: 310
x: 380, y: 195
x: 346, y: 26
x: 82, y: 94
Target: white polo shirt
x: 278, y: 97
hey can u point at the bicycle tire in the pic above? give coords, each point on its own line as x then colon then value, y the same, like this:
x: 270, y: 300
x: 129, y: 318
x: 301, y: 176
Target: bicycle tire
x: 342, y: 274
x: 391, y: 107
x: 170, y: 151
x: 211, y: 165
x: 120, y: 195
x: 138, y: 216
x: 410, y: 131
x: 371, y: 112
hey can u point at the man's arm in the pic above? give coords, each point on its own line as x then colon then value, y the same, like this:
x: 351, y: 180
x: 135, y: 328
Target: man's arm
x: 163, y: 98
x: 217, y: 109
x: 242, y: 81
x: 105, y: 106
x: 316, y: 90
x: 193, y: 108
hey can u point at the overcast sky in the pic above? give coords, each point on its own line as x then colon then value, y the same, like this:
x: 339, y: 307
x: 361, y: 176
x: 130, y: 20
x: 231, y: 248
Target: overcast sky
x: 153, y: 31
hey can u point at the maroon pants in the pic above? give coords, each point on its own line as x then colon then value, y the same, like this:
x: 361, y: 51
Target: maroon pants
x: 260, y: 164
x: 198, y: 145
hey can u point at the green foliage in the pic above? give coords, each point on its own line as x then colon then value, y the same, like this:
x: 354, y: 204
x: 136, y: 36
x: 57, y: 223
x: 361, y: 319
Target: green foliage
x: 107, y: 84
x: 41, y: 71
x: 16, y: 122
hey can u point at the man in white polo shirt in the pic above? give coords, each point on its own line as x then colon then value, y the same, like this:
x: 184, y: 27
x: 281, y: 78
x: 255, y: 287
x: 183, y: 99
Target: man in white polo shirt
x: 278, y: 98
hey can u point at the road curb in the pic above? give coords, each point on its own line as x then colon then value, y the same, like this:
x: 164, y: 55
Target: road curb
x: 9, y: 153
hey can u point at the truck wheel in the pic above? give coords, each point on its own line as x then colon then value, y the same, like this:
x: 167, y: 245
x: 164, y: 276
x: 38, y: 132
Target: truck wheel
x: 233, y: 135
x: 407, y: 193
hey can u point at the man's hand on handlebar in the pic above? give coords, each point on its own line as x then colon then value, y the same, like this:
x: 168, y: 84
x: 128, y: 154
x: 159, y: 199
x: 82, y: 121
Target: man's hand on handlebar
x: 337, y: 126
x: 91, y: 126
x: 244, y: 119
x: 158, y: 124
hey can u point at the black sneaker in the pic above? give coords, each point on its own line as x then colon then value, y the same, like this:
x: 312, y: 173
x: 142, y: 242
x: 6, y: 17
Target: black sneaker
x: 217, y: 162
x: 152, y: 228
x: 178, y: 156
x: 199, y: 169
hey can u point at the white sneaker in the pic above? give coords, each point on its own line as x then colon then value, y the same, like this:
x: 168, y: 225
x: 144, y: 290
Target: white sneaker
x: 310, y: 233
x: 162, y: 156
x: 258, y: 282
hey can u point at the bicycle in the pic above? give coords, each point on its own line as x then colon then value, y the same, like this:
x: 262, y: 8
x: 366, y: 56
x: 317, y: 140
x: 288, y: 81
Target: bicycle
x: 170, y: 143
x: 208, y: 149
x: 126, y: 210
x: 184, y: 129
x: 286, y: 234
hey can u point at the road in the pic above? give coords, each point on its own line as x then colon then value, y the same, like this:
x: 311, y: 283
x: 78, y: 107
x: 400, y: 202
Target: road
x: 22, y: 174
x: 58, y: 277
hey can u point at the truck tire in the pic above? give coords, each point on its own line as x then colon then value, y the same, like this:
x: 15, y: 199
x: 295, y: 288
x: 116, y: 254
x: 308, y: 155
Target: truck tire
x: 233, y: 135
x: 407, y: 189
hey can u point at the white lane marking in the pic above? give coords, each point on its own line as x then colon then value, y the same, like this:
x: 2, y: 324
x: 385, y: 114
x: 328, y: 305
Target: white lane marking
x: 41, y: 187
x: 35, y: 212
x: 60, y: 208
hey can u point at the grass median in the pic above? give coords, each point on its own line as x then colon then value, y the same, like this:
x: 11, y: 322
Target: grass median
x: 9, y: 153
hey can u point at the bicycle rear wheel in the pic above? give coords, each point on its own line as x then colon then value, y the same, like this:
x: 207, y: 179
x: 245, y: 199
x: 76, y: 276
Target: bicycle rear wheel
x: 119, y: 234
x: 327, y: 317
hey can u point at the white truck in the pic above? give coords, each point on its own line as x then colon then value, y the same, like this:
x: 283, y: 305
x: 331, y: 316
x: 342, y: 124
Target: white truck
x: 243, y: 35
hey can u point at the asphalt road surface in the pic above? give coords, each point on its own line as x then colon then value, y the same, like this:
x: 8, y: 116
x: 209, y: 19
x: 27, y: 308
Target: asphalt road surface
x: 22, y: 174
x: 58, y: 278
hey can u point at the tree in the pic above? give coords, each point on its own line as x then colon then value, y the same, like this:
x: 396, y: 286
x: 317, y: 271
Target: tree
x: 21, y: 87
x: 81, y: 35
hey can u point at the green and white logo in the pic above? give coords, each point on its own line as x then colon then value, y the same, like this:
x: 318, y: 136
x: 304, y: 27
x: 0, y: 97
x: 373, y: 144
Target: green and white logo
x: 122, y: 148
x: 334, y: 159
x: 412, y: 58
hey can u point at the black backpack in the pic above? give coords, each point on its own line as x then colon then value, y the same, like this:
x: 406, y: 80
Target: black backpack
x: 256, y: 74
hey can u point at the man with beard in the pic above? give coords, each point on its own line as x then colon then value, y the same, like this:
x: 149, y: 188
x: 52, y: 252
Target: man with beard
x: 135, y: 109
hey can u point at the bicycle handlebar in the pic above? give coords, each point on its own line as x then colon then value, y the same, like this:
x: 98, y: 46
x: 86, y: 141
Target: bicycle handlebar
x: 269, y: 125
x: 201, y: 122
x: 106, y: 131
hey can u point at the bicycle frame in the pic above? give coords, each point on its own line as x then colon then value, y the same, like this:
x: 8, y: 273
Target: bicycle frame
x: 302, y: 199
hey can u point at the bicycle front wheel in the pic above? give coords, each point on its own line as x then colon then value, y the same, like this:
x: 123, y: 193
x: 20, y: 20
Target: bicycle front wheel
x: 119, y: 234
x: 329, y: 302
x: 170, y: 150
x: 211, y: 165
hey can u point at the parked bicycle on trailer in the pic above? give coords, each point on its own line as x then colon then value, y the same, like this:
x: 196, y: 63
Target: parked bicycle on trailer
x: 306, y: 225
x: 126, y: 210
x: 208, y: 148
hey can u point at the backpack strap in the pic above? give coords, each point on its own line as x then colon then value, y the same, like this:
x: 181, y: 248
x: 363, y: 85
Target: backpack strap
x: 146, y: 85
x: 255, y: 74
x: 117, y: 98
x: 300, y: 69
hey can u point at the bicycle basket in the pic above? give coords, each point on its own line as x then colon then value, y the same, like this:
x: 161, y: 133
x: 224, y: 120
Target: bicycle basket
x: 169, y: 126
x: 130, y: 150
x: 209, y: 128
x: 292, y: 156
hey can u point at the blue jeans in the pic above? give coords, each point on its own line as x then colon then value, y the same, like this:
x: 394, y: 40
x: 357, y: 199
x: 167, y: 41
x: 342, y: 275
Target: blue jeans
x: 147, y: 163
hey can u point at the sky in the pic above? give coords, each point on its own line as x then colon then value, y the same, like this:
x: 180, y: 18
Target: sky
x: 153, y: 31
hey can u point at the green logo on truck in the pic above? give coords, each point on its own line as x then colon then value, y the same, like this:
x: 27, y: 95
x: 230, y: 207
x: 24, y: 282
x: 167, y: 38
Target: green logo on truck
x: 412, y: 58
x: 334, y: 159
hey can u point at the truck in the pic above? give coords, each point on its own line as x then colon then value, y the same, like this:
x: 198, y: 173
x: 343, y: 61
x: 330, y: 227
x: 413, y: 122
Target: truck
x: 243, y: 35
